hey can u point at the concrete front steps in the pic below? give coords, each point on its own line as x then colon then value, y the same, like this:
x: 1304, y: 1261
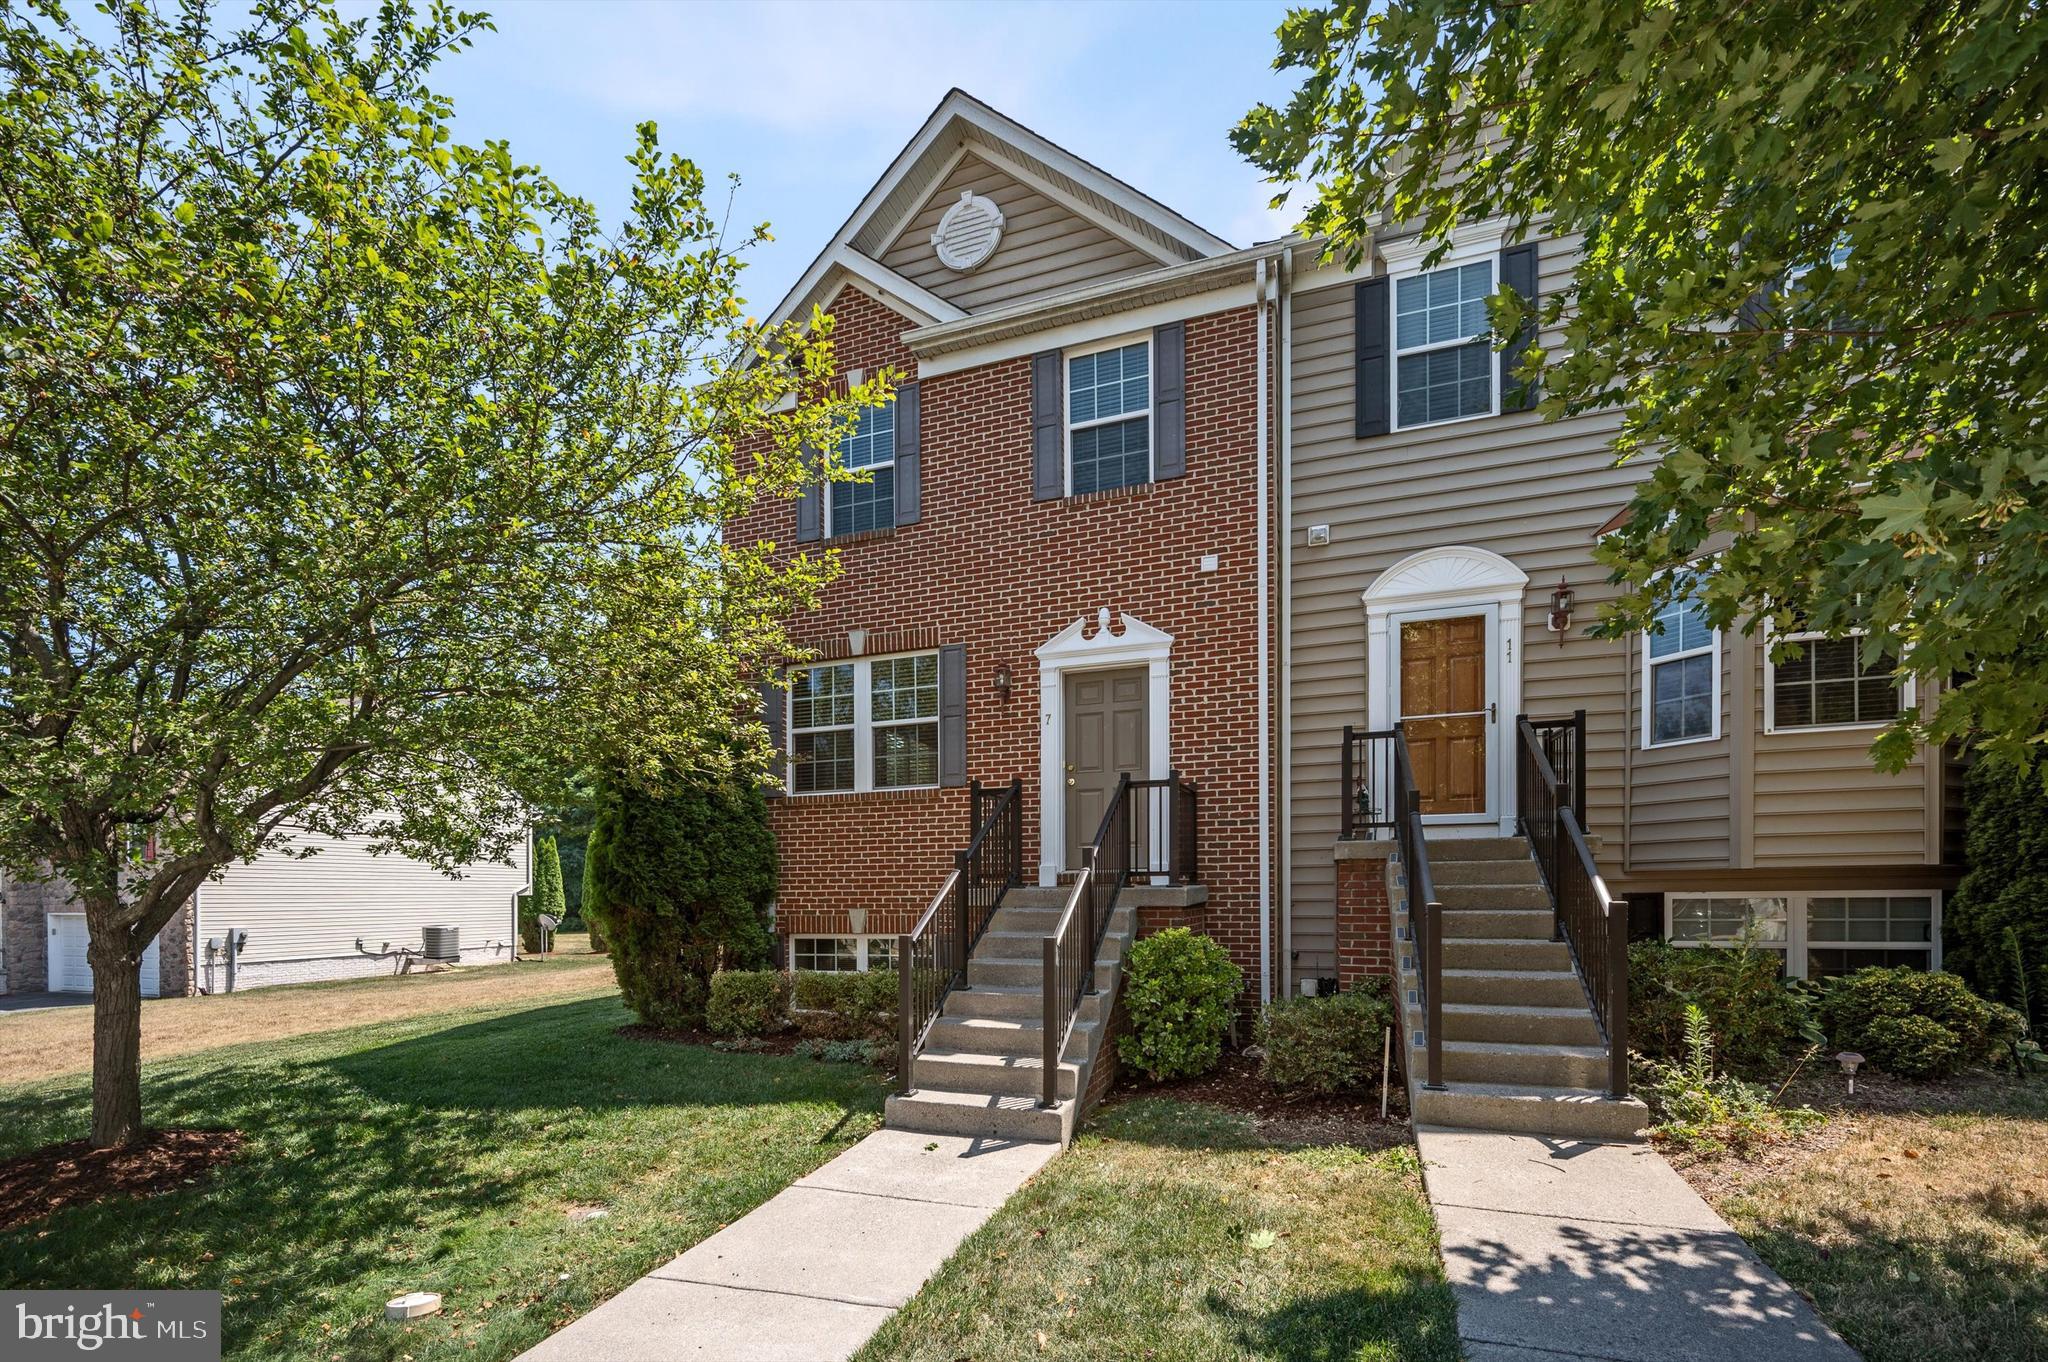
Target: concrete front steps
x: 982, y: 1070
x: 1521, y: 1048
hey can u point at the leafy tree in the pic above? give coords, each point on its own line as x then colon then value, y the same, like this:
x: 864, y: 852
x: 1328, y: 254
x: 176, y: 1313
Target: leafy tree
x: 1995, y: 926
x: 684, y: 870
x: 1876, y: 433
x: 547, y: 899
x: 338, y: 460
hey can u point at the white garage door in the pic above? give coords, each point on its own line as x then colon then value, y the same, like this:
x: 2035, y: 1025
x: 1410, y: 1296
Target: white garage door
x: 69, y: 970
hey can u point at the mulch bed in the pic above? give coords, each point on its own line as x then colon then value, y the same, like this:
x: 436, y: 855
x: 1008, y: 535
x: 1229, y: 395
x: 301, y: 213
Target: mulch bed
x: 1307, y: 1118
x: 45, y: 1181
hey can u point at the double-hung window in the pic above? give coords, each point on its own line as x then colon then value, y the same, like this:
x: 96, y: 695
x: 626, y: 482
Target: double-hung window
x: 1829, y: 685
x: 1763, y: 920
x: 1443, y: 353
x: 1681, y: 675
x: 865, y: 725
x: 842, y: 954
x: 1109, y: 418
x: 871, y: 445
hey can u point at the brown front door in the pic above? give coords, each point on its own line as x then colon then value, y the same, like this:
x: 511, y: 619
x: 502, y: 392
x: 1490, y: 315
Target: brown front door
x: 1108, y: 732
x: 1444, y: 711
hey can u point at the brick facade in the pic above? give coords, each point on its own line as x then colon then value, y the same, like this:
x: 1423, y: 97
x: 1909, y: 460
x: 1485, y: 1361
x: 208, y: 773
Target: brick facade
x: 989, y: 568
x: 1365, y: 939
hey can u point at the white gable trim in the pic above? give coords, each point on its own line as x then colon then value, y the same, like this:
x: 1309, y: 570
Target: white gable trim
x: 1024, y: 175
x: 893, y: 285
x: 959, y: 108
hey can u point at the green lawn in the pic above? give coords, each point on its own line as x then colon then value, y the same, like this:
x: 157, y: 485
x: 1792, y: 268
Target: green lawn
x: 438, y: 1153
x: 1920, y: 1231
x: 1174, y: 1231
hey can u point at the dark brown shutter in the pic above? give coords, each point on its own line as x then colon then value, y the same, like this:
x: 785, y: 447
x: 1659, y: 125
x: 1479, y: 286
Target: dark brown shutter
x: 1518, y: 272
x: 953, y: 715
x: 909, y: 501
x: 1048, y: 439
x: 810, y: 506
x: 774, y: 712
x: 1170, y: 406
x: 1372, y: 384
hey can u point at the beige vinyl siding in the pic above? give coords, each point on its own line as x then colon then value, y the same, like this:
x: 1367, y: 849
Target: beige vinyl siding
x: 1536, y: 493
x: 1531, y: 491
x: 1046, y: 247
x: 1820, y: 801
x: 314, y: 909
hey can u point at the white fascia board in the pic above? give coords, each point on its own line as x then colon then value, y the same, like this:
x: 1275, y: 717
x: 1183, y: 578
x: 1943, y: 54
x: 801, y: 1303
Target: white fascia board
x: 994, y: 155
x: 1089, y: 330
x: 892, y: 285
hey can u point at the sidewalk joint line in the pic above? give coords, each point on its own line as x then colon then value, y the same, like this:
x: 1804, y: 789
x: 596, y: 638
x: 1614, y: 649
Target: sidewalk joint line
x: 772, y: 1291
x: 1584, y: 1219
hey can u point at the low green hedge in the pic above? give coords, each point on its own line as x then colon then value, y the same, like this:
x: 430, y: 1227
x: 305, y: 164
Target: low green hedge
x: 1180, y: 991
x: 751, y: 1002
x: 1914, y: 1023
x: 1327, y: 1044
x: 844, y: 1005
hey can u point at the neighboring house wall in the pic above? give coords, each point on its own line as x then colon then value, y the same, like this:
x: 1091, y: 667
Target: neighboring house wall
x: 304, y: 916
x: 23, y: 907
x: 989, y: 568
x: 1748, y: 811
x: 1046, y: 247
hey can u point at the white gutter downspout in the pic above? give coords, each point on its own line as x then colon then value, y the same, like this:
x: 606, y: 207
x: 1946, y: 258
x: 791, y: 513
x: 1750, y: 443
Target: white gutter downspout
x: 1285, y: 679
x: 1265, y: 290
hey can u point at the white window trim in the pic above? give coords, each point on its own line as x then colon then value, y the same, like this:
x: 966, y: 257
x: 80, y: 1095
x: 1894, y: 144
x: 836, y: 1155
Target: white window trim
x: 1797, y: 939
x: 860, y: 948
x: 1908, y: 691
x: 831, y: 508
x: 864, y: 726
x: 1712, y: 646
x: 1067, y: 358
x: 1465, y: 253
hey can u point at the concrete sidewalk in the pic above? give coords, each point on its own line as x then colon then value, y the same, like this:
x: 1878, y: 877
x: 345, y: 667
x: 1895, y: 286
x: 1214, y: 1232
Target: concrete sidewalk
x: 812, y: 1272
x: 1560, y: 1249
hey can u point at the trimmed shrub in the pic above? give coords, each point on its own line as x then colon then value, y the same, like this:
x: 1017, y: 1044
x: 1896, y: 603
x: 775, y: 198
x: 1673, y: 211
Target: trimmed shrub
x: 1994, y: 928
x: 747, y: 1002
x: 1327, y: 1044
x: 1757, y: 1015
x: 683, y: 878
x: 1180, y: 990
x: 844, y: 1005
x: 1916, y: 1023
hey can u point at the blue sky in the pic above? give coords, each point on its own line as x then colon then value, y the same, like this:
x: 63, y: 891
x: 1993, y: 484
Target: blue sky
x: 808, y: 102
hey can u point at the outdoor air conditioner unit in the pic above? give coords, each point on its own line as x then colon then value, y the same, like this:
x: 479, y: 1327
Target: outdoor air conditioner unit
x: 442, y: 943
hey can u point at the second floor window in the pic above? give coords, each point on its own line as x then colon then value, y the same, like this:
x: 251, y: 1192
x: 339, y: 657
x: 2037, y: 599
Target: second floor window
x: 1681, y: 675
x: 1443, y: 357
x: 871, y: 445
x: 1109, y: 418
x: 865, y: 725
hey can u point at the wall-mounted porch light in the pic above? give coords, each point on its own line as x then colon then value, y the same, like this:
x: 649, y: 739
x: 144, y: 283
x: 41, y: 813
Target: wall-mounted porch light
x: 1560, y: 620
x: 1003, y: 681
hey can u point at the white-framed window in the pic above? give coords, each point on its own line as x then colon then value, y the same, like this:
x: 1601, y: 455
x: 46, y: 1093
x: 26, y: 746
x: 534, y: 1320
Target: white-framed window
x: 1443, y: 351
x: 851, y: 507
x: 1109, y: 417
x: 1829, y: 686
x: 1681, y: 675
x: 1816, y: 934
x: 842, y: 954
x: 868, y: 724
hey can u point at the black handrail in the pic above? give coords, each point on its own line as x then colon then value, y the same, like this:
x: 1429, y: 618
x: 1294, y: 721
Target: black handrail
x: 1550, y: 809
x: 931, y: 958
x: 1425, y: 913
x: 1147, y: 831
x: 1367, y: 790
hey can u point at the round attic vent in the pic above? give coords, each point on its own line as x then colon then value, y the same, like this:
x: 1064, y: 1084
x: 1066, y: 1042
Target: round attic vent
x: 969, y: 233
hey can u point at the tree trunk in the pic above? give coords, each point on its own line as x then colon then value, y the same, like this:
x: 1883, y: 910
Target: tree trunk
x: 116, y: 1028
